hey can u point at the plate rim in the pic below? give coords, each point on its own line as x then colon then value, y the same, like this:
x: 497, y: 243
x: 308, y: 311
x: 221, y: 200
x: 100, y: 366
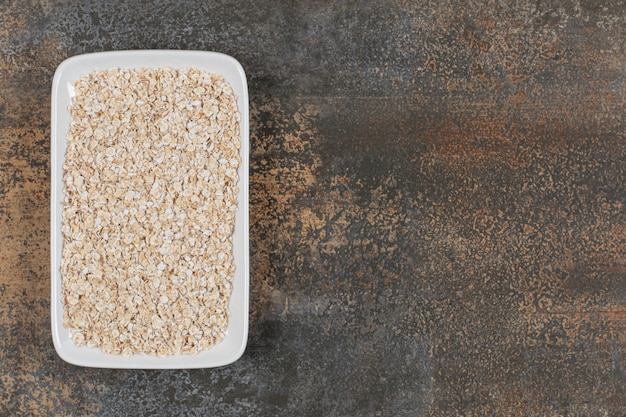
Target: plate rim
x: 85, y: 63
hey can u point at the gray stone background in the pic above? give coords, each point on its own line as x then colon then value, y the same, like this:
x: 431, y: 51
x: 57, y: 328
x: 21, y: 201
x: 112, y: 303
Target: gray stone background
x: 436, y: 204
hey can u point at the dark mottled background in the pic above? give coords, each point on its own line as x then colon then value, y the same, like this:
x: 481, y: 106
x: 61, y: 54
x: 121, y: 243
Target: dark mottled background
x: 437, y: 207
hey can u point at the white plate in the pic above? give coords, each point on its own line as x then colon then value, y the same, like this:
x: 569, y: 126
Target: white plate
x: 234, y: 343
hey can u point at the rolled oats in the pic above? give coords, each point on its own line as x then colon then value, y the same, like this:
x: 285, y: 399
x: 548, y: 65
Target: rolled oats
x: 149, y: 207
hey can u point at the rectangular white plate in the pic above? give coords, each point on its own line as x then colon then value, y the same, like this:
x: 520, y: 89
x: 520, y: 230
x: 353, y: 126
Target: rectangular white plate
x: 234, y: 343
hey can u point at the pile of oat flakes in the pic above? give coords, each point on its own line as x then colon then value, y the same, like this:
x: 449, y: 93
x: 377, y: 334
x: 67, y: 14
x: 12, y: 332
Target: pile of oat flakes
x: 149, y: 207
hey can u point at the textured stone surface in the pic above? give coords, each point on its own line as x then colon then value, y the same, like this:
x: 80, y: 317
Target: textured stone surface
x: 437, y: 208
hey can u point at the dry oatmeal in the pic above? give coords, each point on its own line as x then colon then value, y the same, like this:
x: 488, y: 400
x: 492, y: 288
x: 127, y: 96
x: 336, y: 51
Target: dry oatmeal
x: 149, y: 206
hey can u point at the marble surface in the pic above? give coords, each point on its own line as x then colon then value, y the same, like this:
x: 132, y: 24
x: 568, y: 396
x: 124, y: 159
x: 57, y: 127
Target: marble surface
x: 436, y: 202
